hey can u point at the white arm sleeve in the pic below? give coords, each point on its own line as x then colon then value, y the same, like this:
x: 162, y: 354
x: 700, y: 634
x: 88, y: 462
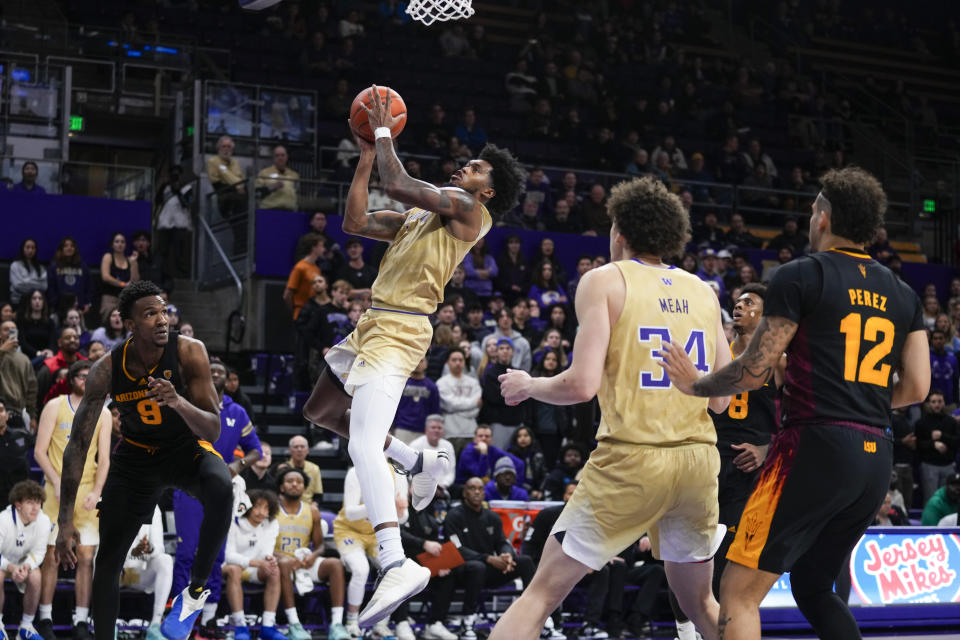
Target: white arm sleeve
x: 38, y: 541
x: 156, y: 533
x: 403, y: 489
x: 5, y: 534
x: 231, y: 554
x: 268, y: 539
x: 451, y: 473
x: 353, y: 506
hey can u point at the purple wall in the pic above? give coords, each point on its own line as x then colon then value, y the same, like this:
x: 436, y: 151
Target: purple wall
x: 278, y: 231
x: 49, y: 218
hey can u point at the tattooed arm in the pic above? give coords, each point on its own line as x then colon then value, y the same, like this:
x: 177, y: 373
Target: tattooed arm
x: 381, y: 225
x: 454, y: 203
x: 75, y: 454
x: 749, y: 371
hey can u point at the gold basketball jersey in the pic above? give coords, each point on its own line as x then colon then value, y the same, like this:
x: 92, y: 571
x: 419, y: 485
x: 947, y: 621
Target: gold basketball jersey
x: 419, y: 262
x: 61, y: 435
x: 638, y: 402
x: 295, y: 529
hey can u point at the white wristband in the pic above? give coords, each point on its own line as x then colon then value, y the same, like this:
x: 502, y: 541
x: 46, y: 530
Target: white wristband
x: 382, y: 132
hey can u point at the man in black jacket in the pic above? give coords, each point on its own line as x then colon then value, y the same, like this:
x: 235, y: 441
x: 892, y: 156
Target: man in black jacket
x: 490, y: 560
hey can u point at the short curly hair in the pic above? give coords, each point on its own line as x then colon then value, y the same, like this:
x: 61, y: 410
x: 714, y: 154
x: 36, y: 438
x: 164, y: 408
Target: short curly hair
x: 270, y: 497
x: 857, y: 203
x: 508, y: 178
x: 651, y: 219
x: 133, y: 292
x: 26, y: 491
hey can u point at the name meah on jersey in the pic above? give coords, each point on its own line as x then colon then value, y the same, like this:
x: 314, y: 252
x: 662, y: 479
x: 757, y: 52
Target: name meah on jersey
x: 142, y: 419
x: 853, y: 316
x: 638, y: 403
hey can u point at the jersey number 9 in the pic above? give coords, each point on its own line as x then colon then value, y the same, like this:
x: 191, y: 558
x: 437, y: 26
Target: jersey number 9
x: 149, y: 412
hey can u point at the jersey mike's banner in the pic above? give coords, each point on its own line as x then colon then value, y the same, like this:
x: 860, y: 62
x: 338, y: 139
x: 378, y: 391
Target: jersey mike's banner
x: 920, y: 565
x: 896, y: 566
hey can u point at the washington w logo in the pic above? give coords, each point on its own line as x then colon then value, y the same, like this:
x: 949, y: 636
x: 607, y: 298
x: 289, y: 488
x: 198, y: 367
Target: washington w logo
x: 667, y: 281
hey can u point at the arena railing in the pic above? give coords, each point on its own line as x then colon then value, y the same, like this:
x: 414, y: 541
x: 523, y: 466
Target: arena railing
x: 92, y: 179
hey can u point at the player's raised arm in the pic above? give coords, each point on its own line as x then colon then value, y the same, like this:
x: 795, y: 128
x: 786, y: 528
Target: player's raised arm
x: 381, y: 225
x: 201, y: 409
x: 913, y: 383
x: 449, y: 203
x: 75, y: 454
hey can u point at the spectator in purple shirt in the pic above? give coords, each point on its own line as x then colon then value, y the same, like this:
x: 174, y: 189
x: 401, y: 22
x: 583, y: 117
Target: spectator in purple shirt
x: 29, y: 182
x: 544, y: 288
x: 504, y: 483
x: 481, y: 269
x: 236, y: 430
x: 479, y: 458
x: 943, y: 367
x: 420, y: 399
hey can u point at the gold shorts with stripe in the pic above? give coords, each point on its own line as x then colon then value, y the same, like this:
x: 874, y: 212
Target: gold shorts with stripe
x: 628, y: 490
x: 384, y: 343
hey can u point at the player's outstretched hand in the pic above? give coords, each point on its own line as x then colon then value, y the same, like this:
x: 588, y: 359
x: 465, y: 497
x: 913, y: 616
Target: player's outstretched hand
x: 68, y: 538
x: 163, y: 392
x: 379, y: 113
x: 680, y: 370
x: 751, y: 457
x: 515, y: 386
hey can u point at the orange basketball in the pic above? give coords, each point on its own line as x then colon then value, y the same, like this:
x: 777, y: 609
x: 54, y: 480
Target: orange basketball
x: 358, y: 117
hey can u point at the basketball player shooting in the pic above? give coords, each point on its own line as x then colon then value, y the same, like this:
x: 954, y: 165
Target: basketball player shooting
x: 169, y: 415
x: 358, y: 392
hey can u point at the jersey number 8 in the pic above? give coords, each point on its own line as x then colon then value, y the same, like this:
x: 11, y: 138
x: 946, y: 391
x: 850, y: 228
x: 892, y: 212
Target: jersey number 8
x: 659, y: 379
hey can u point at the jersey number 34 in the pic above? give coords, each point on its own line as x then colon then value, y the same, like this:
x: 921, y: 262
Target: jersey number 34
x: 695, y: 346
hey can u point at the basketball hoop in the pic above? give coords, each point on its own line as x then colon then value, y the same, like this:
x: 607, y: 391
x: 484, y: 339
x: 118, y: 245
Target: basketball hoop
x: 430, y: 11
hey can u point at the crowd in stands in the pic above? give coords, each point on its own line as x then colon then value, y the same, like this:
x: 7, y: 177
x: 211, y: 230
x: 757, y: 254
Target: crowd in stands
x: 702, y: 126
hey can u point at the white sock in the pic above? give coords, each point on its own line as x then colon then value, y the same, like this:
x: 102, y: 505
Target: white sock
x: 402, y: 453
x: 237, y: 619
x: 25, y: 621
x: 269, y: 619
x: 352, y: 617
x: 371, y: 413
x: 292, y: 617
x: 686, y: 631
x: 80, y: 614
x: 45, y: 611
x: 469, y: 620
x: 391, y: 549
x: 336, y: 615
x: 209, y: 611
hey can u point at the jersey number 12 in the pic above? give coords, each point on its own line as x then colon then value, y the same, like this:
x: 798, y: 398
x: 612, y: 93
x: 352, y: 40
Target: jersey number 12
x: 659, y: 379
x: 866, y: 370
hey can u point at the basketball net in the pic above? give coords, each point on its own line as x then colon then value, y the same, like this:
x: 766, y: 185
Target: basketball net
x: 430, y: 11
